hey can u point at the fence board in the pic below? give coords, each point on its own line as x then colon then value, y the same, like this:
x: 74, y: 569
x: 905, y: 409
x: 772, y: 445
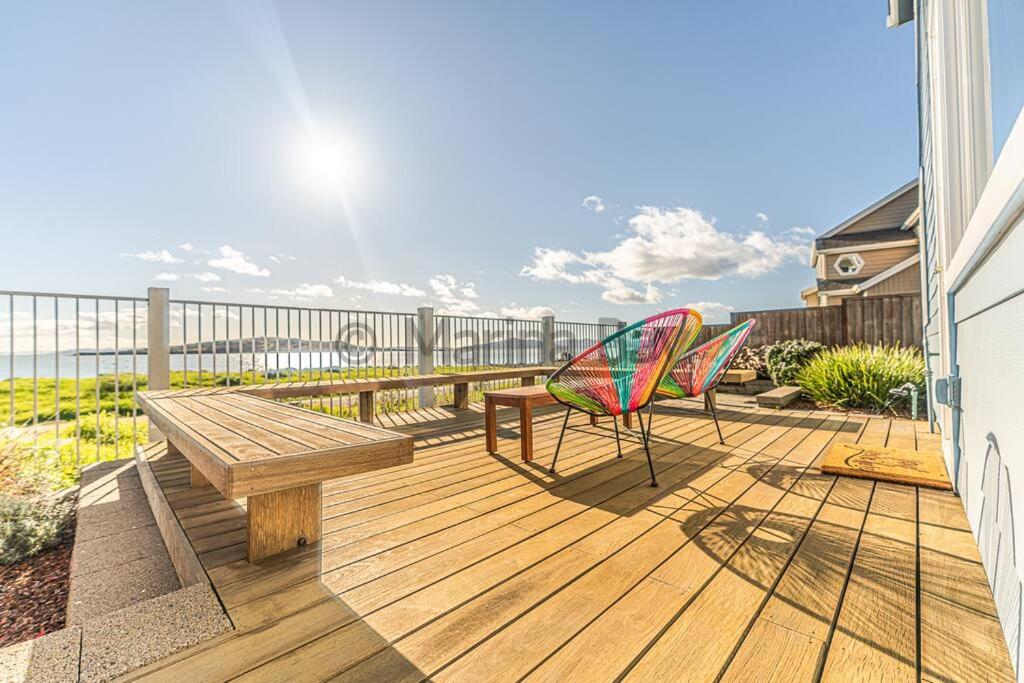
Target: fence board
x: 869, y: 320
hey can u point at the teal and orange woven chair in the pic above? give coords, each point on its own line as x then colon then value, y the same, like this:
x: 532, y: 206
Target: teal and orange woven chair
x: 621, y: 374
x: 700, y: 370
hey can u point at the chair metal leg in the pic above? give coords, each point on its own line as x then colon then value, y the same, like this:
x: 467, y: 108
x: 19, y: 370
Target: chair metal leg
x: 618, y: 444
x: 565, y: 423
x: 646, y: 439
x: 711, y: 404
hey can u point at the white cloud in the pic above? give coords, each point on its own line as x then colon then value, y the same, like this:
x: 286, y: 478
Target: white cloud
x: 762, y: 217
x: 281, y: 257
x: 205, y: 277
x: 187, y: 246
x: 524, y: 313
x: 380, y: 287
x: 617, y: 292
x: 456, y: 296
x: 214, y: 289
x: 802, y: 232
x: 166, y: 277
x: 594, y: 203
x: 305, y: 291
x: 236, y: 261
x: 667, y: 246
x: 162, y: 256
x: 712, y: 311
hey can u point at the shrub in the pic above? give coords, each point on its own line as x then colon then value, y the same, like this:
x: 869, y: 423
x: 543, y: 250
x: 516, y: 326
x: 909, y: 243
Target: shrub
x: 860, y: 376
x: 785, y: 359
x: 30, y: 525
x: 753, y: 358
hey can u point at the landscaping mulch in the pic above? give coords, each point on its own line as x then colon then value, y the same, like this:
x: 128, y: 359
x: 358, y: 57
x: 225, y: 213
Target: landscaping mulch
x: 34, y: 593
x: 901, y: 411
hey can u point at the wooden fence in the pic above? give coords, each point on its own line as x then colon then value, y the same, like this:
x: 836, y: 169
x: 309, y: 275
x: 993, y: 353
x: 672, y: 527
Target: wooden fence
x: 871, y: 320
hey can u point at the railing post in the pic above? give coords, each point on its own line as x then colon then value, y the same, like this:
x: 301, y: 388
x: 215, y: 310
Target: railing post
x: 425, y: 343
x: 547, y: 330
x: 158, y: 345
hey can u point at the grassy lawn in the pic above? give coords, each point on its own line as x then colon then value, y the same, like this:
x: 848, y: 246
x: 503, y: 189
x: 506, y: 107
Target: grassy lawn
x: 109, y: 425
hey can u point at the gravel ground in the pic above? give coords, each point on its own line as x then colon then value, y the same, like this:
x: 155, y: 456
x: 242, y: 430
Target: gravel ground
x: 34, y: 594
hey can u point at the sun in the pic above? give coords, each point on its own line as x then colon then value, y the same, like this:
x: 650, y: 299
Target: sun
x: 327, y: 165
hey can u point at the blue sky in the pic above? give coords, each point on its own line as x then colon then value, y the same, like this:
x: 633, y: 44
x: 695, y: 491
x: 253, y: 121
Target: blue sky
x: 386, y: 155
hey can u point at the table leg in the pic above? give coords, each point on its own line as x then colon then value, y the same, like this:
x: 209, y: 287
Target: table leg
x: 462, y: 395
x: 366, y: 406
x: 491, y: 424
x: 627, y: 420
x: 526, y: 429
x: 593, y: 420
x: 710, y: 400
x: 282, y: 520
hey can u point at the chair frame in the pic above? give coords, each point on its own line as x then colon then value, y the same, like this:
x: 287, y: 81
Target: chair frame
x: 685, y: 335
x: 711, y: 381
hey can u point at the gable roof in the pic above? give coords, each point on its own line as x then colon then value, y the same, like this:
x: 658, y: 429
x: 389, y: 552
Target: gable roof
x: 884, y: 201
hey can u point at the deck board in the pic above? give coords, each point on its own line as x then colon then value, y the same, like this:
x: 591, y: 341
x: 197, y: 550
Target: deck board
x: 746, y: 561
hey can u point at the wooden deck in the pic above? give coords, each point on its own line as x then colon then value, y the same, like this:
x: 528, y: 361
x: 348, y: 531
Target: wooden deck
x: 746, y: 563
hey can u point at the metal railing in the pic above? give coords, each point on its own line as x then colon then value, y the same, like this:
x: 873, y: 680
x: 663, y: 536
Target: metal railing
x: 463, y: 343
x: 70, y: 364
x: 572, y: 339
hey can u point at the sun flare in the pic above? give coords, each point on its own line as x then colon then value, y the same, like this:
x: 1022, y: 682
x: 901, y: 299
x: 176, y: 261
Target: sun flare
x: 327, y: 165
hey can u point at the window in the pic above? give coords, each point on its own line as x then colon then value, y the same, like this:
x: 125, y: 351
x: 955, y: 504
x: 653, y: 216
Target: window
x: 1006, y: 67
x: 848, y: 264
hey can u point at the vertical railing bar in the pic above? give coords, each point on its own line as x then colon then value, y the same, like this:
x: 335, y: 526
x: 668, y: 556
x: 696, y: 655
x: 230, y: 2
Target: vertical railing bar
x: 266, y: 355
x: 56, y: 380
x: 135, y: 374
x: 117, y: 376
x: 184, y: 342
x: 241, y: 334
x: 78, y: 385
x: 97, y: 380
x: 252, y: 342
x: 199, y: 339
x: 35, y: 372
x: 10, y: 360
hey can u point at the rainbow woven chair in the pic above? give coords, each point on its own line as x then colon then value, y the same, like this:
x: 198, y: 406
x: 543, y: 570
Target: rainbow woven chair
x: 700, y: 370
x: 621, y: 373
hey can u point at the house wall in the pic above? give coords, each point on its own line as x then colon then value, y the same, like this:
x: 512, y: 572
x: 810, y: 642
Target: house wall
x: 907, y: 281
x: 891, y: 215
x: 973, y: 286
x: 875, y: 261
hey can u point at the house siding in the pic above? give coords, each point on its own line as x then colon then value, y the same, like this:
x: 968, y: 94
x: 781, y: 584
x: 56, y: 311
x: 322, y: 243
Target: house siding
x: 907, y: 281
x: 875, y: 261
x: 892, y: 215
x: 983, y: 319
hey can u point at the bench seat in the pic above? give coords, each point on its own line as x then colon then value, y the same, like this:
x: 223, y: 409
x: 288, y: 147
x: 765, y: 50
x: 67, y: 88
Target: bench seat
x: 274, y: 454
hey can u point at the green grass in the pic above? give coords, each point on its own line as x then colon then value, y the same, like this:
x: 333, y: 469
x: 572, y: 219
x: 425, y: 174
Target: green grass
x: 105, y: 410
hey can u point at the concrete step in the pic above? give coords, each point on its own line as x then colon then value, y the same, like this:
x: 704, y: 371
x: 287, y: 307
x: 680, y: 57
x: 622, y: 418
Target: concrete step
x: 778, y: 398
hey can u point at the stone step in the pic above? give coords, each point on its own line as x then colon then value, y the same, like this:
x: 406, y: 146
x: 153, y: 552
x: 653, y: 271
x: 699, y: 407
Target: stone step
x: 778, y: 398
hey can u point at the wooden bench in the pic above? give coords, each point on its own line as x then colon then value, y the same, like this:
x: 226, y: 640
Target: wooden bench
x: 276, y: 455
x: 366, y: 388
x: 734, y: 376
x: 779, y: 397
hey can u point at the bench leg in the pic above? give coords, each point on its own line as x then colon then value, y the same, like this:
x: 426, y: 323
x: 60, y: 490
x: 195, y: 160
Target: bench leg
x: 282, y: 520
x: 528, y: 381
x: 198, y: 479
x: 462, y: 395
x: 366, y: 406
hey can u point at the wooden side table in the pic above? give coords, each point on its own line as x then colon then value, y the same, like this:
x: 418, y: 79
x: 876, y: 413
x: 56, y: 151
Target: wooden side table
x: 525, y: 398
